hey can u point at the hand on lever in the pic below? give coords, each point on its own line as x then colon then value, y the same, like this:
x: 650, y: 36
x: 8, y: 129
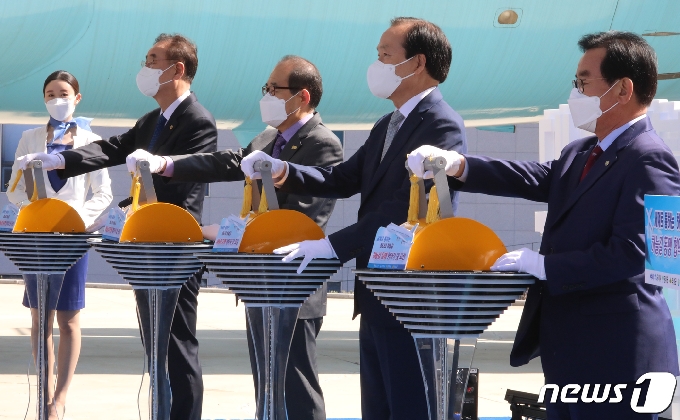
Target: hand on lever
x: 156, y: 163
x: 417, y: 157
x: 524, y: 261
x: 49, y: 162
x: 248, y: 163
x: 320, y: 248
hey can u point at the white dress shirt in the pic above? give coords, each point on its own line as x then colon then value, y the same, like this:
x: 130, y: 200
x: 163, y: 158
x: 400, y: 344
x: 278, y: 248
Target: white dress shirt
x: 173, y: 106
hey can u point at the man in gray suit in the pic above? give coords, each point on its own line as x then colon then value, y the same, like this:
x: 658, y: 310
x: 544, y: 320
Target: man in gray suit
x: 290, y: 98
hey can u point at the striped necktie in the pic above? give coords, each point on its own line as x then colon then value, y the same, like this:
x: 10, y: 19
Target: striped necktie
x: 392, y: 129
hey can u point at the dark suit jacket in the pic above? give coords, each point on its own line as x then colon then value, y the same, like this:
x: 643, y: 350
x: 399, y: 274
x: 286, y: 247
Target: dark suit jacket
x: 191, y: 129
x: 384, y: 186
x: 594, y: 320
x: 313, y: 144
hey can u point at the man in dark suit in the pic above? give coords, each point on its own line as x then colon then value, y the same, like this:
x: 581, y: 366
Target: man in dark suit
x: 301, y: 138
x: 590, y: 316
x: 413, y: 58
x: 181, y: 125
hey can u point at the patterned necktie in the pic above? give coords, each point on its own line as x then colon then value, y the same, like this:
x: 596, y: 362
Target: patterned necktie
x: 157, y: 132
x: 392, y: 129
x: 278, y: 146
x: 597, y: 151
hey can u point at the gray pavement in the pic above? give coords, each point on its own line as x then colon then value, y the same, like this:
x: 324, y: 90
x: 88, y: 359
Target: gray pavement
x: 108, y: 376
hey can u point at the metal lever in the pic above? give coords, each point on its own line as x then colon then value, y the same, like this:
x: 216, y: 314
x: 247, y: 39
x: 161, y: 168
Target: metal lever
x: 34, y: 169
x: 438, y: 167
x: 147, y: 194
x: 265, y: 168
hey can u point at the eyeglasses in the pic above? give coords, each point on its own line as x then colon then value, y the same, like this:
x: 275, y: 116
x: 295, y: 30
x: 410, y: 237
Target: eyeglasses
x: 145, y: 63
x: 580, y: 83
x: 271, y: 89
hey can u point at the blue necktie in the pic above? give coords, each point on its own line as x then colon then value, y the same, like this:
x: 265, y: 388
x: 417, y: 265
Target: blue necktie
x: 157, y: 132
x: 278, y: 146
x: 56, y: 182
x: 55, y: 146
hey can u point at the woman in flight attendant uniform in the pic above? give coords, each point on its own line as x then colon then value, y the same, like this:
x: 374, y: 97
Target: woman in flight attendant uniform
x: 61, y: 94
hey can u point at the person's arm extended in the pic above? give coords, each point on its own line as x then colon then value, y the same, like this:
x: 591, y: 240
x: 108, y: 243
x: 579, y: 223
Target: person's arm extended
x: 506, y: 178
x: 341, y: 181
x: 99, y: 154
x: 208, y: 167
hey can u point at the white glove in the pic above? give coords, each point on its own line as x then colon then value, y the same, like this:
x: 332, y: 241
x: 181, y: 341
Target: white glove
x: 415, y: 160
x: 49, y: 162
x: 156, y: 163
x: 523, y: 260
x: 320, y: 248
x: 248, y: 163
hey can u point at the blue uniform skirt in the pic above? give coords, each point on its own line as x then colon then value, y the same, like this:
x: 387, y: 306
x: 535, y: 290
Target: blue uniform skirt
x: 72, y: 295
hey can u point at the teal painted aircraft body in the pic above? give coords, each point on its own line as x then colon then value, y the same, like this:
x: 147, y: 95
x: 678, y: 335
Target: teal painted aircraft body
x: 499, y: 72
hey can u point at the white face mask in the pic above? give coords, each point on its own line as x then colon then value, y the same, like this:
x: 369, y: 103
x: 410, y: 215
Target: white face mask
x: 382, y: 79
x: 585, y: 110
x: 273, y: 109
x: 61, y: 108
x: 148, y: 80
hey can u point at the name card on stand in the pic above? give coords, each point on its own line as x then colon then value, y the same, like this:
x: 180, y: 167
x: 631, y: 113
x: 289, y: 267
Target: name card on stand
x: 114, y: 225
x: 230, y: 234
x: 662, y: 236
x: 8, y: 218
x: 391, y: 247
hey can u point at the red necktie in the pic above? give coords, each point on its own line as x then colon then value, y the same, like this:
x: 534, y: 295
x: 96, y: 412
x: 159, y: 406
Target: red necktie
x: 597, y: 151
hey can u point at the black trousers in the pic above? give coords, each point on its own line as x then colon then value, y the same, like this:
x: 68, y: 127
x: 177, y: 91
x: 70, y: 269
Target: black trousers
x: 392, y: 385
x: 186, y: 377
x: 304, y: 397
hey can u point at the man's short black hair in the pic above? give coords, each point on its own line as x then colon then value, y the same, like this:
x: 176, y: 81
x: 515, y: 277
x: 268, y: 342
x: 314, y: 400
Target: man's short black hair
x: 304, y: 75
x: 426, y: 38
x: 628, y: 55
x: 182, y: 49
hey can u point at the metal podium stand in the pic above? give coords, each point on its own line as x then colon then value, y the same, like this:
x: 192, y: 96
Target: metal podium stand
x: 445, y: 312
x: 273, y: 293
x: 156, y: 272
x: 48, y: 256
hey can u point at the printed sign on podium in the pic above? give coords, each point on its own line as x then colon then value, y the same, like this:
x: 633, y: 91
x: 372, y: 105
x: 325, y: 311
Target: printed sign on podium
x: 662, y: 236
x: 8, y: 218
x: 391, y: 247
x: 114, y: 226
x: 230, y: 234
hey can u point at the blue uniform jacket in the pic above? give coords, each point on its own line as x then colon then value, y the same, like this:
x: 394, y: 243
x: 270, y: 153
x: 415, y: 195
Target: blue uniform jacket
x: 384, y: 186
x: 594, y: 320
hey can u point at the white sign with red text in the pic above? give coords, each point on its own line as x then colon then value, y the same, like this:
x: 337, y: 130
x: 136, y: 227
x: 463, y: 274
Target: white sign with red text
x: 114, y: 225
x: 391, y: 247
x: 9, y: 217
x: 230, y: 234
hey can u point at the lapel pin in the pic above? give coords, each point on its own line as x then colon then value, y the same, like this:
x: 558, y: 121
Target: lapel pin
x: 293, y: 147
x: 606, y: 163
x: 171, y: 127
